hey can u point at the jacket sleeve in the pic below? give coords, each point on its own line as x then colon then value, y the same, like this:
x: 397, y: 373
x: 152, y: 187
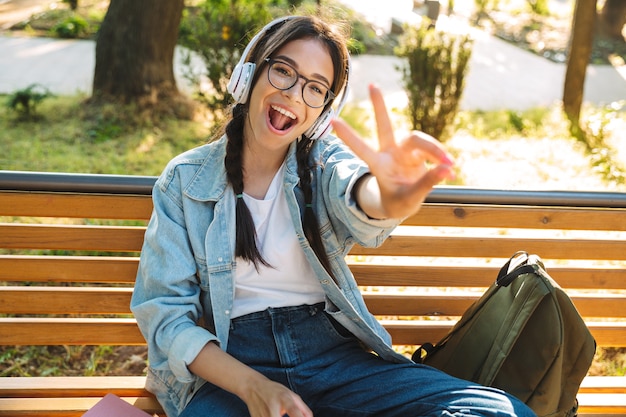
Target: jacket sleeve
x: 340, y: 171
x: 166, y: 299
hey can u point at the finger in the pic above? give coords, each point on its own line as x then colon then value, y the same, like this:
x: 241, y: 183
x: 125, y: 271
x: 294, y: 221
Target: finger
x: 430, y: 147
x: 354, y: 141
x: 431, y: 178
x: 383, y: 122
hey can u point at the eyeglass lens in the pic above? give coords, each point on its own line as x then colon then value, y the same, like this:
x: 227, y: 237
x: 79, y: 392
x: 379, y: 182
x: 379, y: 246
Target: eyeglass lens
x: 283, y: 76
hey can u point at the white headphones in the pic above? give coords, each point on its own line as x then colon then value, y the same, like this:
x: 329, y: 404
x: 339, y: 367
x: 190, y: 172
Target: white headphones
x: 241, y: 81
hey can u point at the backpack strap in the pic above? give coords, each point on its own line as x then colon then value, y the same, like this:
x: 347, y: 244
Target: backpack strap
x: 520, y: 267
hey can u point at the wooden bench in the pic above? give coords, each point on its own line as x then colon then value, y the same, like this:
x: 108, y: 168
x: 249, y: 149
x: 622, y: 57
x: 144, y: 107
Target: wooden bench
x: 69, y: 247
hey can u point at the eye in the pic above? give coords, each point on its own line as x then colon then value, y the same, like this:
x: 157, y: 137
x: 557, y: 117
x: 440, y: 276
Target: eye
x: 283, y: 70
x: 317, y: 89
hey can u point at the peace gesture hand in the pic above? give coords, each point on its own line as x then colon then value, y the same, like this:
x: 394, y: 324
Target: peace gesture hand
x: 403, y: 172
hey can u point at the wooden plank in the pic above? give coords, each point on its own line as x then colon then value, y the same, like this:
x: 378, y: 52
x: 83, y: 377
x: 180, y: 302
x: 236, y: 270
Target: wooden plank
x: 525, y: 217
x: 497, y: 246
x: 103, y: 269
x: 445, y: 274
x: 601, y: 403
x: 73, y: 386
x: 64, y: 300
x: 71, y: 237
x: 96, y: 206
x: 454, y: 303
x: 416, y: 332
x: 65, y: 407
x: 69, y: 331
x: 603, y: 384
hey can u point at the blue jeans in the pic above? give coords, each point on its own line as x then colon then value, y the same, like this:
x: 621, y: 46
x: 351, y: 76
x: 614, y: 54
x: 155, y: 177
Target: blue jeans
x: 307, y: 351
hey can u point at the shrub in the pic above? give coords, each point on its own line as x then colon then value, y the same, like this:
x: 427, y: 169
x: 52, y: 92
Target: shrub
x: 72, y: 27
x: 24, y: 102
x: 433, y: 76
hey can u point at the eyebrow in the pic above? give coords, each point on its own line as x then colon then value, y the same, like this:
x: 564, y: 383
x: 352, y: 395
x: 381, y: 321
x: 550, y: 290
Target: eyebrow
x: 293, y: 63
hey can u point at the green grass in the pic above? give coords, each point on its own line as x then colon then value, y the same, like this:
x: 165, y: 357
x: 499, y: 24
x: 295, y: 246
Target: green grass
x: 69, y: 136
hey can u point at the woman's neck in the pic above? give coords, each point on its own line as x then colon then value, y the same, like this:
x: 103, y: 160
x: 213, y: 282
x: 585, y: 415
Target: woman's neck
x: 259, y: 169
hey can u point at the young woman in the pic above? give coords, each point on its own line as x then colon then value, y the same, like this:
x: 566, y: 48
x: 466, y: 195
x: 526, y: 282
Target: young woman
x: 243, y: 294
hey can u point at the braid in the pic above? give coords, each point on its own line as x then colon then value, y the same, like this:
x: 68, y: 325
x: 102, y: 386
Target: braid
x: 309, y: 223
x: 245, y: 237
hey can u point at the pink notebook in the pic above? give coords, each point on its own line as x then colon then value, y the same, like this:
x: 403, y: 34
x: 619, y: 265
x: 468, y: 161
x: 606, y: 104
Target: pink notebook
x: 113, y: 406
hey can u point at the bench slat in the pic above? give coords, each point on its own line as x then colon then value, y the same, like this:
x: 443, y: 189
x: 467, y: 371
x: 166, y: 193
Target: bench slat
x: 65, y: 300
x: 49, y: 331
x: 525, y: 217
x: 455, y: 303
x: 69, y: 331
x: 73, y: 386
x: 94, y: 206
x: 101, y: 269
x: 65, y: 407
x: 500, y: 247
x: 96, y: 301
x: 90, y: 238
x: 415, y: 332
x: 436, y: 274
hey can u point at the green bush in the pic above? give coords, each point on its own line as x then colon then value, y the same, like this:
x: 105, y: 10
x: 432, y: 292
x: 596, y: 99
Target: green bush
x: 72, y: 27
x: 24, y: 102
x: 433, y: 76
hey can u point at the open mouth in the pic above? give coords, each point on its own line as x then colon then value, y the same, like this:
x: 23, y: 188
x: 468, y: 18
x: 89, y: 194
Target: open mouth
x: 281, y: 119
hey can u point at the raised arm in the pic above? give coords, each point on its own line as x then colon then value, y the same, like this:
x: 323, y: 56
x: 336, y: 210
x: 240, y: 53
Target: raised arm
x: 403, y: 171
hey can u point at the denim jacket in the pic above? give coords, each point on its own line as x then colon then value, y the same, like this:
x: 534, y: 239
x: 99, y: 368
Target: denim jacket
x: 185, y: 283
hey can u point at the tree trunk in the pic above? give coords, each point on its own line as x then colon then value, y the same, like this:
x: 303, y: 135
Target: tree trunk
x: 579, y: 54
x: 612, y: 18
x: 135, y: 51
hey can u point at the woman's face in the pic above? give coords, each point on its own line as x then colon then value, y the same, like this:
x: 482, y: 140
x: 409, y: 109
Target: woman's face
x: 276, y: 117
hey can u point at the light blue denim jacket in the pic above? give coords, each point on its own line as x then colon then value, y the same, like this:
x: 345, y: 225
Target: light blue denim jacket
x: 186, y: 271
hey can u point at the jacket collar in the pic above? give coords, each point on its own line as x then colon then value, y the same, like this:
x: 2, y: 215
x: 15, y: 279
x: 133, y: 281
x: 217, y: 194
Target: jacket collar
x: 209, y: 182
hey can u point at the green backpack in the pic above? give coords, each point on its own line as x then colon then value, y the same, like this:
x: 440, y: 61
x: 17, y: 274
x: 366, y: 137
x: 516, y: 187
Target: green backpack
x: 524, y: 336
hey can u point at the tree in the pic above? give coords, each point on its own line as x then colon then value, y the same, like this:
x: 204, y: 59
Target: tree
x: 580, y: 51
x: 135, y: 53
x: 612, y: 18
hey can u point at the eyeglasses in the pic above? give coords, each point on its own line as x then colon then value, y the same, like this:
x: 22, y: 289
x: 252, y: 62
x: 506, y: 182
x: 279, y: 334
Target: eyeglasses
x: 283, y: 76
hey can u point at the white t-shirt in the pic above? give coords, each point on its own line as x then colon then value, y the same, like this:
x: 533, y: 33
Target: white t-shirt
x: 290, y: 280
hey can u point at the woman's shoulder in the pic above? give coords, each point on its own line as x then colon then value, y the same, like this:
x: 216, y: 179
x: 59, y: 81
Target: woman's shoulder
x: 187, y: 165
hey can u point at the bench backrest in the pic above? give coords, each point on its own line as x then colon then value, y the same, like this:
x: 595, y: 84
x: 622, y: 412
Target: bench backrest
x: 69, y: 247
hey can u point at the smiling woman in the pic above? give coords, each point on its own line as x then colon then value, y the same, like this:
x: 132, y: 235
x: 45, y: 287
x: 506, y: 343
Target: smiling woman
x: 248, y: 235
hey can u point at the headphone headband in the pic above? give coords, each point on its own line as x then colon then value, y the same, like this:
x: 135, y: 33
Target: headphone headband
x: 240, y: 84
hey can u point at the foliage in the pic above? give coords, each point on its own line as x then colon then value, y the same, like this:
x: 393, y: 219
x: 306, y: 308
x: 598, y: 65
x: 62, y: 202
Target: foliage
x: 71, y: 27
x: 594, y: 134
x: 539, y: 7
x: 82, y: 22
x: 24, y: 102
x: 483, y: 7
x: 433, y: 76
x: 218, y: 30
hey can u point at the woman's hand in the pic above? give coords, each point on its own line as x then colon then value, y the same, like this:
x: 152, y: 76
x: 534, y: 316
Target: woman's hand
x: 264, y: 397
x: 404, y: 171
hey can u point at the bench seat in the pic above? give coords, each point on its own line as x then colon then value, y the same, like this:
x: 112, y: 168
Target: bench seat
x: 69, y: 247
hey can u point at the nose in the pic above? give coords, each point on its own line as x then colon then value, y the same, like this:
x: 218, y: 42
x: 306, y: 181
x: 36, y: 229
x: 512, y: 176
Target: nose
x: 297, y: 90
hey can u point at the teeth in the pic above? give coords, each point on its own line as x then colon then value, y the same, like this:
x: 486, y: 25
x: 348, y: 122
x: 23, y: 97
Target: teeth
x: 284, y: 112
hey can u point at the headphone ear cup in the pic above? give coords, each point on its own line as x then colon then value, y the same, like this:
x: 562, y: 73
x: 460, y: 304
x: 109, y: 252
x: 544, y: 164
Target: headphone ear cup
x: 322, y: 126
x: 240, y: 80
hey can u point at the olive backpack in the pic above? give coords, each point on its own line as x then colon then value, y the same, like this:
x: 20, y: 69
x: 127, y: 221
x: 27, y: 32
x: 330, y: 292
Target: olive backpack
x: 524, y: 336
